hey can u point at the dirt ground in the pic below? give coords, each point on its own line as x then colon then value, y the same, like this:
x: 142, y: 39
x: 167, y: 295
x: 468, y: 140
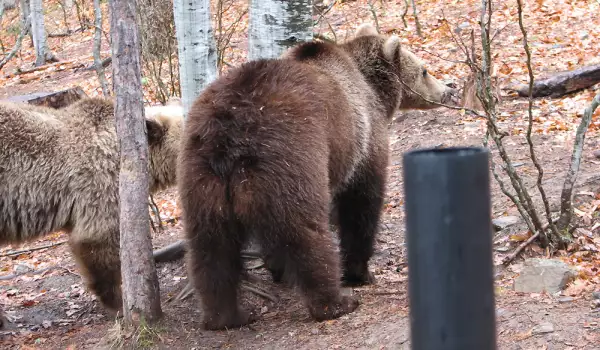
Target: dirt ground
x: 43, y: 293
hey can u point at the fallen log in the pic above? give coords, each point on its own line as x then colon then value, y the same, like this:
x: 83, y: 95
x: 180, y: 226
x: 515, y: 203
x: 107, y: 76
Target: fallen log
x: 562, y: 83
x: 57, y: 99
x: 176, y: 251
x: 172, y: 252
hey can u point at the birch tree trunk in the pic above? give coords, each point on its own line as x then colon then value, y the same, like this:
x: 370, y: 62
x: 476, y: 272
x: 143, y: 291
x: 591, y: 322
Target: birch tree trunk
x: 38, y: 31
x: 26, y: 16
x: 141, y: 297
x: 196, y: 48
x: 276, y: 25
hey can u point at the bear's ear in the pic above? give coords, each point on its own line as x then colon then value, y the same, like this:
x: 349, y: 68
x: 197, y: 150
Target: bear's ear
x: 155, y: 131
x: 391, y: 48
x: 365, y: 29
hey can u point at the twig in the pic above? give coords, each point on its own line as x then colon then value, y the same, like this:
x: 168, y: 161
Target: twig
x: 259, y: 292
x: 509, y: 258
x: 404, y: 13
x: 374, y: 14
x: 18, y: 252
x: 530, y: 126
x: 322, y: 16
x: 17, y: 45
x: 417, y: 23
x: 504, y: 190
x: 443, y: 58
x: 155, y: 210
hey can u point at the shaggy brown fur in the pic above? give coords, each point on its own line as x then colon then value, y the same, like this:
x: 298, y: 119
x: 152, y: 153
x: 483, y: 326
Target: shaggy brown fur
x: 270, y: 146
x: 59, y: 171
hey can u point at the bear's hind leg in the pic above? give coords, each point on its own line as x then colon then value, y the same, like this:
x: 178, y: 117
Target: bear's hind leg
x: 215, y: 265
x: 305, y: 256
x: 100, y: 265
x: 359, y: 211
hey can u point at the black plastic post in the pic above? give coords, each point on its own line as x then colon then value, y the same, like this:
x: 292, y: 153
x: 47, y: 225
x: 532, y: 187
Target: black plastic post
x: 449, y: 236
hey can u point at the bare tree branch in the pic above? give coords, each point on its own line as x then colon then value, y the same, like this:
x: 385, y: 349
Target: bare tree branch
x: 17, y: 46
x: 556, y: 237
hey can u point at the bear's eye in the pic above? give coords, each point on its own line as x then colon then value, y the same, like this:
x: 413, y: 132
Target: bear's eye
x: 424, y: 72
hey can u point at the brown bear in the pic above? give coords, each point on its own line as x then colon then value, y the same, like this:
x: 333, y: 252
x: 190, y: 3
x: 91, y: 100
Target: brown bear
x: 272, y: 146
x: 59, y: 170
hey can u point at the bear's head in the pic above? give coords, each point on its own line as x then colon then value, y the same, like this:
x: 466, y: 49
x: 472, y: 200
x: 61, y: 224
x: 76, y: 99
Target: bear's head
x: 164, y: 125
x: 420, y: 89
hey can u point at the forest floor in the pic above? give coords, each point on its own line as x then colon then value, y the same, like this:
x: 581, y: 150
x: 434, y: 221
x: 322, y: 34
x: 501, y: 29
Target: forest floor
x: 44, y: 294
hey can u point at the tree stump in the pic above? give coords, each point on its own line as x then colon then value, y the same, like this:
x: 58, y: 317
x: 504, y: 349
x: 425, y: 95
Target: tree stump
x: 58, y: 99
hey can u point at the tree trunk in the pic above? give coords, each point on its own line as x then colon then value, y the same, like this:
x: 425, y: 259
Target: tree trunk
x: 562, y: 83
x: 276, y: 25
x: 26, y: 16
x: 97, y: 47
x: 141, y: 297
x: 196, y: 48
x: 57, y: 99
x: 39, y: 32
x: 566, y: 205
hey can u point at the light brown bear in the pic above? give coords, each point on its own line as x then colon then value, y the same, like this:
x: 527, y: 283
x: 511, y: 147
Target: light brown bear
x: 59, y: 170
x: 274, y: 144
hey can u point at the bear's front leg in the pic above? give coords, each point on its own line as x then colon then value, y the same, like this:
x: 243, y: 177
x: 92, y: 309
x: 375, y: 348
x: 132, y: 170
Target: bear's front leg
x: 100, y: 265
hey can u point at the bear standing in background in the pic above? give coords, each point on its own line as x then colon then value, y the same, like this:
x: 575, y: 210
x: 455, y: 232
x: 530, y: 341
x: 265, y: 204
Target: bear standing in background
x: 272, y: 146
x: 59, y: 170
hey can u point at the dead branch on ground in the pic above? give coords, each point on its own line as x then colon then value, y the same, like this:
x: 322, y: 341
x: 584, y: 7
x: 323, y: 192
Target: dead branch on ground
x: 29, y: 250
x: 176, y: 251
x: 563, y: 83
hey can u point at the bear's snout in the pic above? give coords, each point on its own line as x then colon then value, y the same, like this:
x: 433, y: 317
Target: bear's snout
x: 451, y: 95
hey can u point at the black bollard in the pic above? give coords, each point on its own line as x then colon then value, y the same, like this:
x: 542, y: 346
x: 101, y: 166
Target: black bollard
x: 449, y: 236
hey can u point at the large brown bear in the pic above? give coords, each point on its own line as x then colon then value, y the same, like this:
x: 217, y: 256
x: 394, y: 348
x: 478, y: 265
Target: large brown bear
x: 270, y: 147
x: 59, y: 170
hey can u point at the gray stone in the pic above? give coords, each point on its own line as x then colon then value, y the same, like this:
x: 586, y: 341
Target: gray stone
x: 543, y: 275
x: 544, y: 327
x: 502, y: 222
x: 596, y: 295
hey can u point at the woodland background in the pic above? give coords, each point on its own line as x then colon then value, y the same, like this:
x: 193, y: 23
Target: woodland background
x: 42, y: 288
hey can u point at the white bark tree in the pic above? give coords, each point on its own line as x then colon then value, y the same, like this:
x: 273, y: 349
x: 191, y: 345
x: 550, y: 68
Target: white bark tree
x: 38, y: 30
x: 196, y: 47
x: 25, y: 6
x: 141, y: 297
x: 276, y: 25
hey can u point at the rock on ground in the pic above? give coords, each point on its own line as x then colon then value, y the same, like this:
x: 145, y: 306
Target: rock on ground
x: 543, y: 275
